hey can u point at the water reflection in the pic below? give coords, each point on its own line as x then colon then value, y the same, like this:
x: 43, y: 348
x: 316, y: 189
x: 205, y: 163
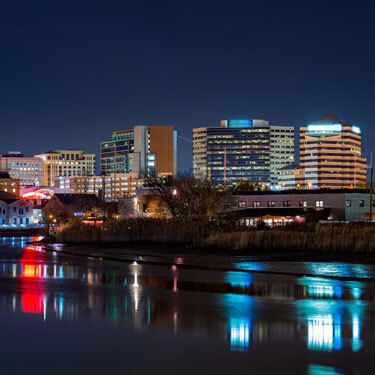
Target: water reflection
x: 242, y: 310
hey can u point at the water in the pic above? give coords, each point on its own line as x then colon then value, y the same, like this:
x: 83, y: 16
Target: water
x: 67, y: 314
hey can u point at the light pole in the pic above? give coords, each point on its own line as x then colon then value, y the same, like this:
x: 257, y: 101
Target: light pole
x: 371, y: 181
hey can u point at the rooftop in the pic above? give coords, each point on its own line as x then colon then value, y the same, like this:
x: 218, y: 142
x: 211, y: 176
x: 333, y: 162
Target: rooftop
x: 7, y: 197
x: 329, y: 119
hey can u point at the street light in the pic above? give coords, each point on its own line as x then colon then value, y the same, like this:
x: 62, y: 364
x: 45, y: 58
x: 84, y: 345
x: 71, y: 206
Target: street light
x: 371, y: 181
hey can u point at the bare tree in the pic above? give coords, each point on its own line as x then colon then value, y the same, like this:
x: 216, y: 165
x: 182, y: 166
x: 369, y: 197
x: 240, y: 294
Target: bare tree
x: 187, y: 197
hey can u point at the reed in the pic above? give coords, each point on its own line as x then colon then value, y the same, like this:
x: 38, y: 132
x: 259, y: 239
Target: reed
x: 190, y: 233
x: 356, y: 237
x: 312, y: 238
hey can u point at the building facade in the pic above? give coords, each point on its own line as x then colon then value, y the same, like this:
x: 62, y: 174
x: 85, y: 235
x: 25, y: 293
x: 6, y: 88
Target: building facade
x: 15, y: 212
x: 66, y: 163
x: 8, y: 184
x: 109, y: 188
x: 143, y: 149
x: 282, y: 150
x: 29, y: 170
x: 242, y: 150
x: 331, y: 154
x: 305, y: 205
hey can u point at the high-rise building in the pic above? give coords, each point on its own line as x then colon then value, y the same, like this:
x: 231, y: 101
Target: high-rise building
x: 330, y: 154
x: 66, y: 163
x: 143, y: 149
x: 241, y: 150
x: 29, y: 170
x: 281, y: 150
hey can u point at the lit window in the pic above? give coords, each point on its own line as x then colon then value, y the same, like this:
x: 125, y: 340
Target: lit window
x: 286, y: 203
x: 271, y: 204
x: 241, y: 205
x: 303, y: 203
x: 318, y: 203
x: 348, y: 203
x: 256, y: 204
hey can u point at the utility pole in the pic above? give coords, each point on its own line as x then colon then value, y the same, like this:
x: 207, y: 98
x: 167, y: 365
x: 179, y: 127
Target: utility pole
x: 225, y: 166
x: 371, y: 182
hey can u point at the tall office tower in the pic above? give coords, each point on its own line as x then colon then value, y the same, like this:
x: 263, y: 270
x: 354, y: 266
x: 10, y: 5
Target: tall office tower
x: 282, y: 150
x: 66, y: 163
x: 242, y: 150
x: 238, y: 150
x: 331, y: 155
x: 29, y: 170
x: 143, y: 149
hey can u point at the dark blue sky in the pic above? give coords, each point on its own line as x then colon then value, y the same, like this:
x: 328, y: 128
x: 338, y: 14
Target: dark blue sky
x: 71, y: 72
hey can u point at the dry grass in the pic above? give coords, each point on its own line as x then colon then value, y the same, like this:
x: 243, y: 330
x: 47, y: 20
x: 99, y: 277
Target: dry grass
x: 313, y: 237
x: 140, y: 230
x: 309, y: 237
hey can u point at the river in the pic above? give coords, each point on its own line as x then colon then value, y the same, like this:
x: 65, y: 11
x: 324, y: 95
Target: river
x: 62, y: 313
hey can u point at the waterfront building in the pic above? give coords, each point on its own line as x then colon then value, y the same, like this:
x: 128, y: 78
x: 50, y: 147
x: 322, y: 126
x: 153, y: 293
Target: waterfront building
x: 242, y: 150
x: 8, y: 184
x: 62, y: 205
x: 29, y: 170
x: 142, y: 149
x: 66, y: 163
x: 109, y: 188
x: 331, y: 154
x: 280, y: 207
x: 14, y: 211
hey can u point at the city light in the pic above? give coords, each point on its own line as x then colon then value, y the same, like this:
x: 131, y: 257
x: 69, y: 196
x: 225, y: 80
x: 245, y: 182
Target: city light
x: 324, y: 128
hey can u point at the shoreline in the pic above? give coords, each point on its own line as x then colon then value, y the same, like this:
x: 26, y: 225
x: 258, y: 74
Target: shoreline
x: 159, y: 248
x: 132, y: 254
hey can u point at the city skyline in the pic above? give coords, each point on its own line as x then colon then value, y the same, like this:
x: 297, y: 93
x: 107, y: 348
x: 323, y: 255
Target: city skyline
x: 73, y: 74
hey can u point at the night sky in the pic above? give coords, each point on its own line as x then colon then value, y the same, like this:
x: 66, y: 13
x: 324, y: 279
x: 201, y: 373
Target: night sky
x: 71, y: 72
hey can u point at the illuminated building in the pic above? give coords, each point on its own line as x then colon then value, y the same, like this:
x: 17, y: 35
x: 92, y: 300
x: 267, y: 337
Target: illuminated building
x: 280, y: 207
x: 29, y: 170
x: 112, y: 187
x: 8, y: 184
x: 242, y: 150
x: 281, y: 150
x: 142, y: 150
x: 66, y: 163
x: 14, y: 211
x: 331, y: 154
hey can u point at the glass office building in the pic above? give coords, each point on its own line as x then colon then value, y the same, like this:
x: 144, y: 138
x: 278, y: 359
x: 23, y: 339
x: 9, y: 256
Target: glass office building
x: 238, y: 150
x: 142, y: 149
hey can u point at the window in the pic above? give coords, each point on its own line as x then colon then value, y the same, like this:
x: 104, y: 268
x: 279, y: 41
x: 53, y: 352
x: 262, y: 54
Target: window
x: 21, y: 220
x: 286, y: 203
x: 361, y: 203
x: 318, y: 203
x: 271, y: 204
x: 241, y: 205
x: 27, y: 221
x: 348, y: 203
x: 256, y: 204
x: 303, y: 203
x: 27, y: 209
x: 14, y: 221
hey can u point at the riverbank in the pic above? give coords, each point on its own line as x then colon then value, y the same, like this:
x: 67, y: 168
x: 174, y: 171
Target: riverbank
x: 20, y: 232
x: 353, y: 238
